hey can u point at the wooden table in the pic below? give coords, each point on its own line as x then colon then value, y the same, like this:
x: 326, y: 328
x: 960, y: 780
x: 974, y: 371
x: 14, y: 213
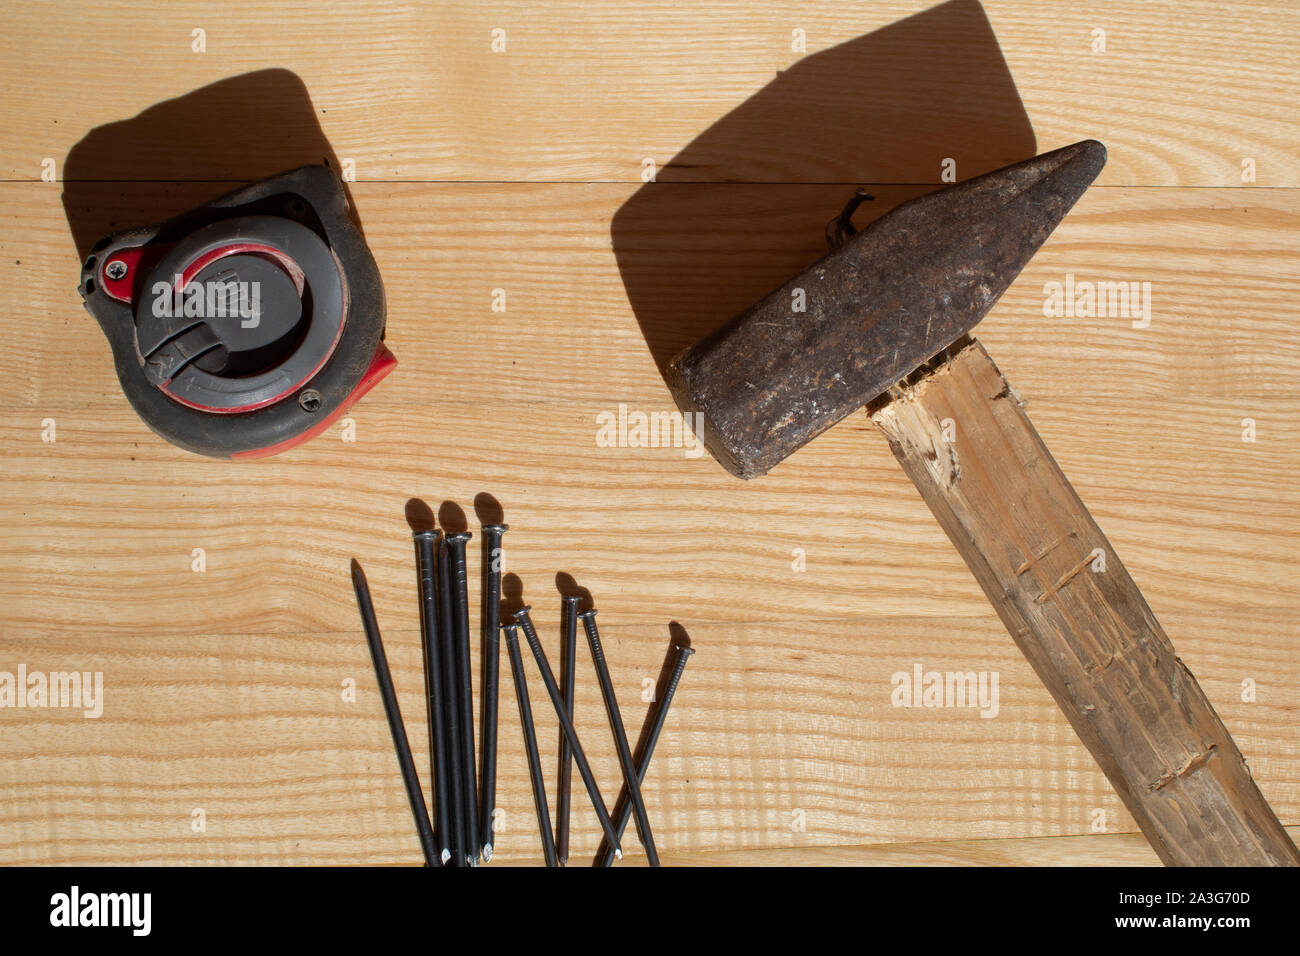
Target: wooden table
x: 241, y: 722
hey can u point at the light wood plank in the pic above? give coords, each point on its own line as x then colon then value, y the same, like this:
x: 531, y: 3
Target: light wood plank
x: 1119, y: 849
x: 658, y: 534
x: 781, y: 736
x: 583, y: 304
x: 413, y: 91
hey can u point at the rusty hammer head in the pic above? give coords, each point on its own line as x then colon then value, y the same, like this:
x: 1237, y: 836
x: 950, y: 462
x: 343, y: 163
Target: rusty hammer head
x: 874, y: 309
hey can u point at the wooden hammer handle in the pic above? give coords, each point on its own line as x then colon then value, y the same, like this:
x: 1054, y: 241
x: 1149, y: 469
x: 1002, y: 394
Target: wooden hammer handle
x: 962, y: 436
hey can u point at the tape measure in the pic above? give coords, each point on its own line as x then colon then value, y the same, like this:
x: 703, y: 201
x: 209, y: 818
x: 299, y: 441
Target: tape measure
x: 247, y: 325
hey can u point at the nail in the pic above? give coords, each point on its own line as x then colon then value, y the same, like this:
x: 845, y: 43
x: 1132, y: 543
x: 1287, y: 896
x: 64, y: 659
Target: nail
x: 470, y: 846
x: 568, y: 675
x: 389, y: 696
x: 426, y: 577
x: 490, y: 630
x: 841, y: 229
x: 530, y: 744
x: 630, y: 780
x: 623, y: 812
x: 451, y: 710
x: 580, y: 758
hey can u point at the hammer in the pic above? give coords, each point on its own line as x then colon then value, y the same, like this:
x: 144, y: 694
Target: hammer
x: 884, y: 323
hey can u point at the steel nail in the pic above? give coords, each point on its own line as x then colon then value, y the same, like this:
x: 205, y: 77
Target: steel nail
x: 580, y: 758
x: 388, y: 694
x: 623, y: 810
x: 630, y: 780
x: 490, y: 630
x: 568, y: 681
x: 530, y: 744
x: 426, y: 575
x: 451, y: 709
x: 465, y: 693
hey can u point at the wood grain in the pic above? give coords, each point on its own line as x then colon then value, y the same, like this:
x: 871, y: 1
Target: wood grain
x: 413, y: 91
x: 1118, y: 849
x: 477, y: 171
x: 1223, y: 267
x: 962, y: 436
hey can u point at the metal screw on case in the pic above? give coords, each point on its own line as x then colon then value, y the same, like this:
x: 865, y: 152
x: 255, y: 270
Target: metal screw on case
x: 630, y: 779
x: 490, y: 629
x: 580, y: 758
x: 624, y: 805
x: 115, y: 269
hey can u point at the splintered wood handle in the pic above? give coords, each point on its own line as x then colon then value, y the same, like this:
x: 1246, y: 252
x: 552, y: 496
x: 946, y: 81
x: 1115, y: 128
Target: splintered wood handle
x: 962, y: 436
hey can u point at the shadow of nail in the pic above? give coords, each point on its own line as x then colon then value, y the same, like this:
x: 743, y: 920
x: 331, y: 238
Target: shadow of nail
x: 419, y: 515
x: 451, y: 518
x: 512, y: 595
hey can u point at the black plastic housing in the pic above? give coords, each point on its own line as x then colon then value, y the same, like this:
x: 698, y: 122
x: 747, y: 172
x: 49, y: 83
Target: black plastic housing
x: 312, y: 196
